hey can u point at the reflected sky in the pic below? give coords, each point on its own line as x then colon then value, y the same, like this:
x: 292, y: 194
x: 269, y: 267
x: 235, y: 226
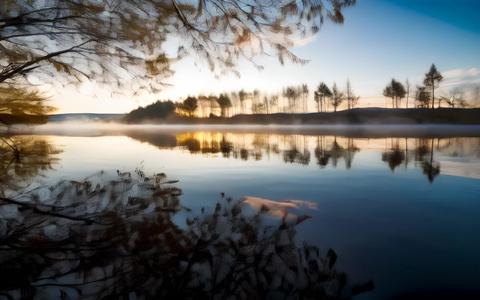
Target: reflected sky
x: 379, y: 202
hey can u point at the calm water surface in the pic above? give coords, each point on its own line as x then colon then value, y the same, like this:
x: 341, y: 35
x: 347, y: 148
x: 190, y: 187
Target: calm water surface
x: 401, y: 211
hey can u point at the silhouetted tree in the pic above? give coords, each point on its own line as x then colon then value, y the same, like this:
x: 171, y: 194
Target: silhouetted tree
x: 273, y: 101
x: 396, y: 91
x: 292, y: 93
x: 432, y: 81
x: 422, y: 96
x: 407, y: 90
x: 157, y: 110
x: 242, y: 95
x: 337, y: 97
x: 305, y: 93
x: 189, y: 106
x: 225, y: 104
x: 256, y: 98
x: 258, y: 108
x: 235, y: 102
x: 321, y: 94
x: 266, y: 104
x: 352, y: 100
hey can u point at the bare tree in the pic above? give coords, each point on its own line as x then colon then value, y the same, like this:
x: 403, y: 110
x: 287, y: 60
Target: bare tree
x: 352, y: 100
x: 242, y: 95
x: 455, y: 97
x: 273, y: 100
x: 235, y: 102
x: 407, y: 90
x: 305, y: 93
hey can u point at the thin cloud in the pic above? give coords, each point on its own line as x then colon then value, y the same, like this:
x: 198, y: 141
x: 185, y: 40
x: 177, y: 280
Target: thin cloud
x: 462, y: 73
x: 461, y: 78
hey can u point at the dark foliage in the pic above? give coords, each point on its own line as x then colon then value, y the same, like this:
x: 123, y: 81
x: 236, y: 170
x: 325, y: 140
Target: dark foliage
x: 115, y: 238
x: 157, y: 110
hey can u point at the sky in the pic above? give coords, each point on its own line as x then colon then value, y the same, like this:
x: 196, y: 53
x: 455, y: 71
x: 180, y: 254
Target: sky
x: 380, y: 40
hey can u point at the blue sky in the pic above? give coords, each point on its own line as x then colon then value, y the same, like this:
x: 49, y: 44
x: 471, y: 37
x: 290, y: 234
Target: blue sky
x: 380, y: 40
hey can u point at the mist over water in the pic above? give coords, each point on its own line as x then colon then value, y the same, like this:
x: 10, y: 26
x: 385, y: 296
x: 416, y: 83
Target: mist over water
x: 368, y: 130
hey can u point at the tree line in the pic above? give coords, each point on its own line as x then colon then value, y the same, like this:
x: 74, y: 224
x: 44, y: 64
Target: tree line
x: 292, y: 99
x: 424, y: 95
x: 295, y: 99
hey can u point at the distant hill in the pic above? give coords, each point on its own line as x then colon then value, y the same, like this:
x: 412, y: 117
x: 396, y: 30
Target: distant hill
x: 84, y: 117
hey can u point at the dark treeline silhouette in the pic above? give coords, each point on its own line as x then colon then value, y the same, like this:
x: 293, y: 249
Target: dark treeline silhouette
x: 157, y: 110
x: 352, y: 116
x: 115, y: 238
x: 294, y: 99
x: 424, y: 94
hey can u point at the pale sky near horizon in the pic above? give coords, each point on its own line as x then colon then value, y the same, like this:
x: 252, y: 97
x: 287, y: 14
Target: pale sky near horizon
x: 379, y: 40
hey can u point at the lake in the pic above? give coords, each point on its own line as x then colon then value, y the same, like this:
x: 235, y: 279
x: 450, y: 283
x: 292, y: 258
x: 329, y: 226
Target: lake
x: 399, y: 205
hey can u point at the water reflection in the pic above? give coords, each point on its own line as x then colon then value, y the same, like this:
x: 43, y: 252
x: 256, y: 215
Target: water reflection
x: 430, y: 167
x: 396, y: 156
x: 328, y: 150
x: 116, y: 238
x: 22, y: 158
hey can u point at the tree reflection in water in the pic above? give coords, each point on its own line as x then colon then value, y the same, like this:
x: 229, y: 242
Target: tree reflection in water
x: 115, y: 237
x: 22, y: 158
x: 328, y: 150
x: 431, y: 168
x: 395, y: 156
x: 322, y: 155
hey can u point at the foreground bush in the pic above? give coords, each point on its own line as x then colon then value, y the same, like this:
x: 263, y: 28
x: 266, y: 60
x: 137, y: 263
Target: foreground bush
x: 105, y: 237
